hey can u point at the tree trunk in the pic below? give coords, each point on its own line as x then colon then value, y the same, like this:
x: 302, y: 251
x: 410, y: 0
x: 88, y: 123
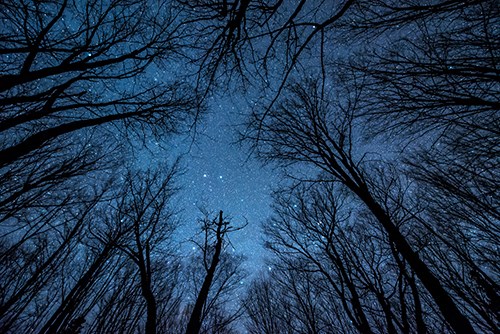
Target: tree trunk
x: 147, y: 293
x: 441, y: 297
x: 194, y: 324
x: 63, y: 314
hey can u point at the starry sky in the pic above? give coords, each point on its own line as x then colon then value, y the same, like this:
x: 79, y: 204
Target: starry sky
x: 219, y: 174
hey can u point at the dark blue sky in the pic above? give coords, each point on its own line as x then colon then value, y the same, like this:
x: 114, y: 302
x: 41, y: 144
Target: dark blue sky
x: 220, y: 175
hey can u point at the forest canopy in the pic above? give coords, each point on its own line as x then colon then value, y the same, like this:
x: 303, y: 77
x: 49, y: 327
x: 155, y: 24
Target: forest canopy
x: 380, y: 118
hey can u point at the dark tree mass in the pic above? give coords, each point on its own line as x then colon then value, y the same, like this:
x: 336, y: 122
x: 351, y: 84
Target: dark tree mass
x: 377, y: 123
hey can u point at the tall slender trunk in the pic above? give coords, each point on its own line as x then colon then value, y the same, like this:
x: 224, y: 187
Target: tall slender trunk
x: 147, y: 292
x: 360, y: 320
x: 72, y: 301
x: 441, y: 297
x: 194, y: 324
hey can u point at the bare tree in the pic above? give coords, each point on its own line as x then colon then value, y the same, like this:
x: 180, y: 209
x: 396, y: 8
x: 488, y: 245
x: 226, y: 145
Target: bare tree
x: 265, y: 308
x: 249, y: 39
x: 220, y: 276
x: 64, y: 318
x: 70, y: 73
x: 442, y: 84
x: 35, y: 256
x: 68, y: 64
x: 305, y: 129
x: 145, y: 224
x: 76, y: 77
x: 339, y: 268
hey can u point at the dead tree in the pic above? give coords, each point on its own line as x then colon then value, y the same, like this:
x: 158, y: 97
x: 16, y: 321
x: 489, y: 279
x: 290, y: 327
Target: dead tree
x: 215, y: 240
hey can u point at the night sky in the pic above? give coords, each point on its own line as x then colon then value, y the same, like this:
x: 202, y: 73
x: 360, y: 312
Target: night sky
x: 219, y: 174
x: 377, y: 122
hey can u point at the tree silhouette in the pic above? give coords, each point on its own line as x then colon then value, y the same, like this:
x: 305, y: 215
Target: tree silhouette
x: 442, y: 84
x: 242, y: 39
x: 72, y: 68
x: 145, y: 223
x: 75, y: 86
x: 306, y: 129
x: 217, y: 268
x: 400, y: 240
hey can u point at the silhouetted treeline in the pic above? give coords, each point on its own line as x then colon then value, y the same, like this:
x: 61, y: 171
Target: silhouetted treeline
x: 389, y: 223
x: 86, y: 238
x: 382, y: 115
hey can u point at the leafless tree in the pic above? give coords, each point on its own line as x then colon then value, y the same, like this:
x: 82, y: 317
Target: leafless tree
x: 250, y: 39
x: 265, y: 308
x: 34, y: 256
x: 441, y: 83
x: 339, y: 268
x: 76, y: 80
x: 72, y: 66
x: 143, y: 224
x: 216, y: 280
x: 72, y: 72
x: 307, y: 129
